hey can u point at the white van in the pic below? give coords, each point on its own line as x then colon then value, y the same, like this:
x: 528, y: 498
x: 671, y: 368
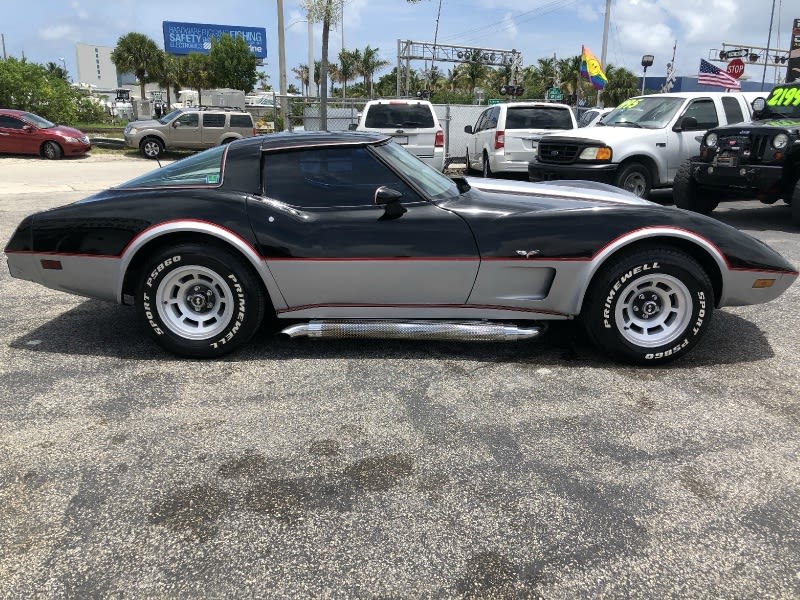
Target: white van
x: 412, y: 123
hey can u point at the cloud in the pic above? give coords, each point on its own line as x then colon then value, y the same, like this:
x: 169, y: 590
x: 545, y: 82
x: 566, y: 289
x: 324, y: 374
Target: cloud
x: 55, y: 32
x: 509, y: 27
x: 587, y: 12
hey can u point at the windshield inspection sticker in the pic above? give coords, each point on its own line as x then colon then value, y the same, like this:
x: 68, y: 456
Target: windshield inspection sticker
x: 212, y: 178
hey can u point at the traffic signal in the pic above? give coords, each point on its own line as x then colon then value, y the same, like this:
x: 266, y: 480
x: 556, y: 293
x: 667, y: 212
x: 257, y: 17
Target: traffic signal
x: 512, y: 90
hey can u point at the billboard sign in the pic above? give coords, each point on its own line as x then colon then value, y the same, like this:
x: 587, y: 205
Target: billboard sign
x: 184, y: 38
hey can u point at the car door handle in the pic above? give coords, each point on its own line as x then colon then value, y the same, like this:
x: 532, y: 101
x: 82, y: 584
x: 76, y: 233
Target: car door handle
x: 661, y: 145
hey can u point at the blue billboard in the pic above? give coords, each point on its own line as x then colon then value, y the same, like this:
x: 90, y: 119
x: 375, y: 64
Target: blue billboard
x: 183, y: 38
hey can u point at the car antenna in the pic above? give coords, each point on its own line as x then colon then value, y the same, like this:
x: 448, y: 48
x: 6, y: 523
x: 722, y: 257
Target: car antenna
x: 158, y: 160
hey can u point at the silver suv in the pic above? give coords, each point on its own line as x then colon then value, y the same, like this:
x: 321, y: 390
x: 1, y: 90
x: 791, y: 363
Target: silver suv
x: 194, y: 128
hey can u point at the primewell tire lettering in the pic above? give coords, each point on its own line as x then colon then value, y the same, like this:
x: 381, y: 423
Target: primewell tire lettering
x: 240, y: 314
x: 616, y: 287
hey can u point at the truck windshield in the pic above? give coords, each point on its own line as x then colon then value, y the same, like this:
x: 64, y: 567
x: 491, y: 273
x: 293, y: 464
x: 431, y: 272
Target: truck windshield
x: 169, y: 116
x: 649, y: 112
x: 784, y: 102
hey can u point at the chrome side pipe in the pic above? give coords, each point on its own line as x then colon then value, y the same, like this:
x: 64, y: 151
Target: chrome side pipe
x: 478, y: 331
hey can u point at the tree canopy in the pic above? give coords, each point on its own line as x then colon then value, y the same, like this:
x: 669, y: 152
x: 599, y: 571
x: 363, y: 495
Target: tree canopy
x: 231, y: 63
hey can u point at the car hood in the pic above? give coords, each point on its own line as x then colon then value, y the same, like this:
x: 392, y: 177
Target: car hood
x: 144, y: 124
x: 607, y: 135
x: 65, y: 131
x: 523, y: 196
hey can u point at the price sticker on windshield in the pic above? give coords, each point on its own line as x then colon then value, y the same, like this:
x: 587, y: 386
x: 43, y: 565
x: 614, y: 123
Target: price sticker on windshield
x: 629, y: 103
x: 784, y: 96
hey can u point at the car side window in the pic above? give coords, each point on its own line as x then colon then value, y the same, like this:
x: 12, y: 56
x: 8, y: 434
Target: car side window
x: 491, y: 119
x: 188, y: 120
x: 329, y: 177
x: 480, y: 122
x: 733, y: 111
x: 704, y: 111
x: 213, y: 120
x: 241, y: 121
x: 7, y: 122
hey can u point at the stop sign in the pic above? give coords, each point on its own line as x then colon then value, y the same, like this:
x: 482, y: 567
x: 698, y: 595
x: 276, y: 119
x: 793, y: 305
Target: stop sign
x: 735, y: 68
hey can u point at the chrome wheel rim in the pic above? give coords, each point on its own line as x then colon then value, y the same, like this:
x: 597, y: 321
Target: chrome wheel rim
x: 653, y: 311
x: 49, y: 150
x: 636, y: 182
x: 195, y: 302
x: 152, y: 149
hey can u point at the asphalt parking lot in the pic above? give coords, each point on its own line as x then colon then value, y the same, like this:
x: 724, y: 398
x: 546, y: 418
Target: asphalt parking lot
x: 389, y: 469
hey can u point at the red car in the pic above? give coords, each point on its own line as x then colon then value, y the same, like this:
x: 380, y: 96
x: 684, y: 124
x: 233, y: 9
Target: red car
x: 26, y: 133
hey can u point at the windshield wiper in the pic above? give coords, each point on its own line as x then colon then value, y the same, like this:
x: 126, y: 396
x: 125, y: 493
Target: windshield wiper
x: 626, y: 123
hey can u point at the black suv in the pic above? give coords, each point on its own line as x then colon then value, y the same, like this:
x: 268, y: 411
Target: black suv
x: 758, y: 158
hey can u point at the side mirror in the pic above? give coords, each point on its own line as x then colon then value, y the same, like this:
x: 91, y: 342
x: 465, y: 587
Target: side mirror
x: 27, y: 128
x: 386, y: 195
x: 468, y: 129
x: 352, y: 126
x: 176, y: 124
x: 686, y: 124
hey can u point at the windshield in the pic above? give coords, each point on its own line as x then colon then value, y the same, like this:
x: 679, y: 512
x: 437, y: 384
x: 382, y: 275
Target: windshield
x: 169, y: 116
x: 649, y: 112
x: 40, y: 122
x: 204, y: 169
x: 428, y: 179
x: 784, y: 102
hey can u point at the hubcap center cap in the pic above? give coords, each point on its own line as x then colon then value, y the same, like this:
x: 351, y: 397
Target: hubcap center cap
x: 647, y: 305
x: 200, y: 298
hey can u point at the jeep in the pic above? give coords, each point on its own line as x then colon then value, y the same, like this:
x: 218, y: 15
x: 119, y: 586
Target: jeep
x: 759, y: 158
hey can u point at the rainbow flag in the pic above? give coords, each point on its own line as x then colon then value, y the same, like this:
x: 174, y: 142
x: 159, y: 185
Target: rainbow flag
x: 591, y: 69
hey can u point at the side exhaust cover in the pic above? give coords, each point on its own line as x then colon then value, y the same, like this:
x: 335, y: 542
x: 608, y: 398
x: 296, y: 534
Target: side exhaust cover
x: 478, y: 331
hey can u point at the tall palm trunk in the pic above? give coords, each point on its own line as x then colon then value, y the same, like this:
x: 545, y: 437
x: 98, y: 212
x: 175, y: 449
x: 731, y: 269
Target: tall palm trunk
x: 323, y: 77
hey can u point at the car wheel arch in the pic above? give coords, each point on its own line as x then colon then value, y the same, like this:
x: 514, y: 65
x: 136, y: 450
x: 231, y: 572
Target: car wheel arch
x: 702, y: 254
x: 135, y: 259
x: 644, y: 159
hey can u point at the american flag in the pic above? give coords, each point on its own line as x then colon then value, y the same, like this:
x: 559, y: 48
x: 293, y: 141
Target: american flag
x: 711, y: 75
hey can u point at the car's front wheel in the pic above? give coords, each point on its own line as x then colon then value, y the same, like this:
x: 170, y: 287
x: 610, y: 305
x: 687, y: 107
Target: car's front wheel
x: 796, y: 203
x: 649, y: 306
x: 635, y: 178
x: 52, y: 151
x: 151, y: 147
x: 687, y: 194
x: 200, y: 301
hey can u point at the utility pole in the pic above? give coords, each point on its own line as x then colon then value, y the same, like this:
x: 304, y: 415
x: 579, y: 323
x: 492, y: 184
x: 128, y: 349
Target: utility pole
x: 769, y: 39
x: 282, y: 67
x: 3, y: 35
x: 312, y: 86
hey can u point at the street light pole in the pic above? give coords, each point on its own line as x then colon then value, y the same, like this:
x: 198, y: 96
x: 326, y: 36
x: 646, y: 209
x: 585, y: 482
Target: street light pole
x: 647, y: 60
x: 282, y: 67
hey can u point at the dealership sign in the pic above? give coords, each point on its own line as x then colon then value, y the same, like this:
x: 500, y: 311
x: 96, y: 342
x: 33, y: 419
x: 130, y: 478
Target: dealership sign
x: 183, y: 38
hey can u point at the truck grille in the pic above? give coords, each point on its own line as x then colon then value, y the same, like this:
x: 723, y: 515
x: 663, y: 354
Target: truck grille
x: 752, y: 148
x: 557, y: 152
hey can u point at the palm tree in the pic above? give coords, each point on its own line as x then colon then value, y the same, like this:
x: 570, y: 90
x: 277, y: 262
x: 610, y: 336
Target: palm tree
x: 194, y: 71
x: 138, y: 54
x: 348, y: 67
x: 622, y: 84
x: 369, y: 62
x: 325, y: 11
x: 167, y: 73
x: 301, y: 72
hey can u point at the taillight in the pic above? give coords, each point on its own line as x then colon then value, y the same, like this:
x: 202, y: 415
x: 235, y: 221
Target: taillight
x: 439, y: 141
x: 254, y: 130
x: 499, y: 139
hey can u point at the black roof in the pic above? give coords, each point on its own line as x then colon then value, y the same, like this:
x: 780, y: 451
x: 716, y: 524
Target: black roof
x: 275, y: 141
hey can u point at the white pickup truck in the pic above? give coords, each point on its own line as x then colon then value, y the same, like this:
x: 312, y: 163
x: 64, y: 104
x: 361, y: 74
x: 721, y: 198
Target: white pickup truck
x: 641, y: 143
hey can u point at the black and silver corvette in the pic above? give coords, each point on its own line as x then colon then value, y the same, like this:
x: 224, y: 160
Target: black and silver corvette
x: 346, y: 234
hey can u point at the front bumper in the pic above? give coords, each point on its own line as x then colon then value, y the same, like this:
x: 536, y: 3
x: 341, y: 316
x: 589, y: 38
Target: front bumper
x: 758, y: 178
x: 604, y: 173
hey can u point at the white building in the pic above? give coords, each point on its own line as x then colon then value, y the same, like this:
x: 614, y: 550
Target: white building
x: 94, y: 66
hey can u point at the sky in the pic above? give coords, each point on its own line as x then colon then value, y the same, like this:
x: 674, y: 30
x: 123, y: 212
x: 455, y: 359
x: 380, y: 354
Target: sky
x: 47, y: 30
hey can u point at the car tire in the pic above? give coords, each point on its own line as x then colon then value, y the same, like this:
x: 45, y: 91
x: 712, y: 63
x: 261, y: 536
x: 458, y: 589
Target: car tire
x: 200, y: 301
x: 151, y: 147
x: 52, y: 151
x: 487, y: 169
x: 687, y: 194
x: 635, y: 178
x: 468, y: 170
x: 649, y: 306
x: 796, y: 204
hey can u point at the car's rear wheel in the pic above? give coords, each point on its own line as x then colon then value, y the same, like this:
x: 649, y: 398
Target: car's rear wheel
x: 687, y: 194
x: 635, y: 178
x: 200, y: 301
x: 468, y: 170
x: 487, y: 169
x: 151, y: 147
x: 52, y: 151
x: 649, y: 306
